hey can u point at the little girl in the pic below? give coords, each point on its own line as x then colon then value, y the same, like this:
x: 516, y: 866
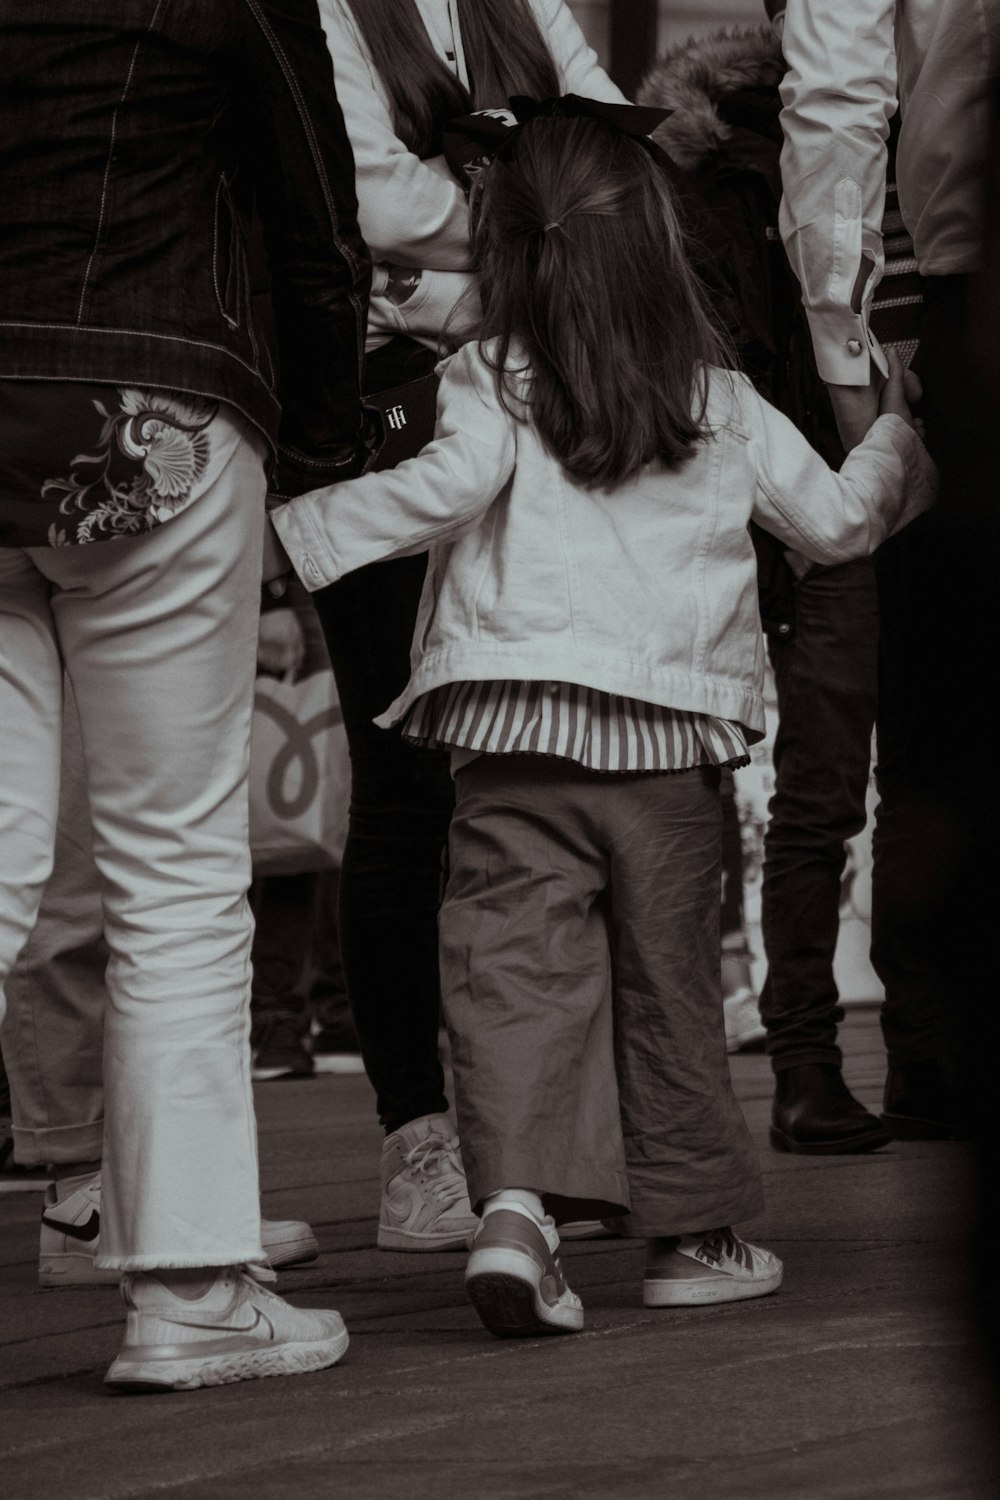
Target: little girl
x: 589, y: 646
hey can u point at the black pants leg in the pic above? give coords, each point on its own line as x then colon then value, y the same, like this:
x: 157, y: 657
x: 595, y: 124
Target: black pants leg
x: 392, y: 873
x: 825, y: 677
x: 929, y: 764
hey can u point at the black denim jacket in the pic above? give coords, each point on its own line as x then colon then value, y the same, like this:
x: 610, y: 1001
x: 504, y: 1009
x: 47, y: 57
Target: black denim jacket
x: 159, y: 159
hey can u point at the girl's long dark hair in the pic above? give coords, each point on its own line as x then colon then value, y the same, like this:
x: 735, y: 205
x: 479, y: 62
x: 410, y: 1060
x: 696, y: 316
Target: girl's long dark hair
x: 602, y: 334
x: 505, y: 53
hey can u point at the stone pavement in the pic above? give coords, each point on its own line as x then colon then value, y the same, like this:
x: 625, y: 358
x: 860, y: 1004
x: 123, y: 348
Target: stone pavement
x: 861, y: 1378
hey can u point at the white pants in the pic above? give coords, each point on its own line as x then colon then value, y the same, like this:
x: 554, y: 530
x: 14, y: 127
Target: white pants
x: 53, y: 1034
x: 157, y: 635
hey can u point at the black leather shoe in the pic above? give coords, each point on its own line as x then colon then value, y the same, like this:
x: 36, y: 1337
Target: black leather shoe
x: 923, y: 1103
x: 815, y: 1114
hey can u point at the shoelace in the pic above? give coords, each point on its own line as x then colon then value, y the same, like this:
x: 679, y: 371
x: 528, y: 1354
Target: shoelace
x: 721, y: 1243
x: 437, y: 1158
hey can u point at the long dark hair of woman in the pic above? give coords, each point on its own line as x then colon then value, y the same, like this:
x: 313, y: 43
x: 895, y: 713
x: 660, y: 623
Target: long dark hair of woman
x: 588, y: 292
x: 505, y: 53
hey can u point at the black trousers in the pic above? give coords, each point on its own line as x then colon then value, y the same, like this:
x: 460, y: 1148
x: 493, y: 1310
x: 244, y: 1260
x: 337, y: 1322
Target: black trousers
x: 825, y: 673
x: 931, y: 694
x: 392, y: 875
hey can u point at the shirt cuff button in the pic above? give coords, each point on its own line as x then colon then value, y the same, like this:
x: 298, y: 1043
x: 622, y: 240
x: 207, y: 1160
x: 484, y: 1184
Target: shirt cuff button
x: 853, y: 346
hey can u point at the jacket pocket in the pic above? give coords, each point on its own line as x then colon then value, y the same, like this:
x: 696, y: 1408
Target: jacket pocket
x: 229, y: 267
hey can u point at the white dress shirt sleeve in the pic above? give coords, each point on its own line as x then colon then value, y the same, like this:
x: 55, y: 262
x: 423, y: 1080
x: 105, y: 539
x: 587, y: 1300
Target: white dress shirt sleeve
x: 579, y: 69
x: 839, y: 94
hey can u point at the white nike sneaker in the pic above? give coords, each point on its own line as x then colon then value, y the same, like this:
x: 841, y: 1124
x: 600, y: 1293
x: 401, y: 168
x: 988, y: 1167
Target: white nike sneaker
x: 70, y: 1232
x: 425, y: 1200
x: 237, y: 1331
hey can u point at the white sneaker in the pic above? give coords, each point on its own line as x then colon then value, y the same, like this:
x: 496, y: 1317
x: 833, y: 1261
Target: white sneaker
x: 704, y: 1268
x: 237, y: 1331
x: 69, y: 1239
x: 515, y: 1280
x: 425, y: 1200
x: 745, y: 1030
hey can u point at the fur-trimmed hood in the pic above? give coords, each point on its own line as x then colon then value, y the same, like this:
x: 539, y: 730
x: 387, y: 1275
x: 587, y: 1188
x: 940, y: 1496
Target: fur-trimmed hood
x: 692, y: 78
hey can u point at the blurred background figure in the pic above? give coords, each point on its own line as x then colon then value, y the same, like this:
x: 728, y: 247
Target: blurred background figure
x: 300, y: 1016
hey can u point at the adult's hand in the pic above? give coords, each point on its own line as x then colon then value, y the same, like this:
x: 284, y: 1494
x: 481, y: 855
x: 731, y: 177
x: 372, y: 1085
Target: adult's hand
x: 855, y: 408
x: 277, y: 564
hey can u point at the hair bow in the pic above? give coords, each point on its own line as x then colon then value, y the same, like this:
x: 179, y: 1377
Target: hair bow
x: 471, y: 141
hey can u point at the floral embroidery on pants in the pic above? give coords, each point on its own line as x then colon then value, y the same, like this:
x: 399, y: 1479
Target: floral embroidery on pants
x: 150, y: 455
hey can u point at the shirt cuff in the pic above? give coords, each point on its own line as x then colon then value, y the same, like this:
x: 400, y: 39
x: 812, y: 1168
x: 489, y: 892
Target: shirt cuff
x: 845, y: 348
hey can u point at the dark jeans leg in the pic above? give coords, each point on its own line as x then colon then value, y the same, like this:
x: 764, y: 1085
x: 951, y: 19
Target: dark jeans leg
x: 392, y: 872
x: 825, y: 675
x: 328, y: 987
x: 283, y: 908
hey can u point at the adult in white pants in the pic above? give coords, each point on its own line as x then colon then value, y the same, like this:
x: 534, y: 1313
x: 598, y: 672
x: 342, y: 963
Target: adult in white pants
x: 157, y: 168
x: 158, y: 636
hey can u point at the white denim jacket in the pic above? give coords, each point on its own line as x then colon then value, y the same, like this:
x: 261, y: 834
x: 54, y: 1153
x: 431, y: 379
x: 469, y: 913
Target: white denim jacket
x: 647, y: 590
x: 411, y: 212
x: 849, y: 63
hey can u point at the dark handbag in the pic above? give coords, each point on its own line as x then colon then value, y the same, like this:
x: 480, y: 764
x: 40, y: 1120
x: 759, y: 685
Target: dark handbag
x: 408, y: 413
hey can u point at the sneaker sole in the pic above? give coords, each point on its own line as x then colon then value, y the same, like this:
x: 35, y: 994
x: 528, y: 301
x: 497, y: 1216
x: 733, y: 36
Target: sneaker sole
x: 704, y: 1291
x: 57, y: 1271
x: 335, y: 1062
x: 293, y: 1252
x: 852, y: 1145
x: 272, y: 1075
x: 418, y: 1244
x: 151, y: 1377
x: 511, y: 1305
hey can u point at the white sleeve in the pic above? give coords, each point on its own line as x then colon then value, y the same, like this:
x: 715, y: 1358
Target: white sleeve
x: 437, y: 496
x: 839, y: 94
x: 411, y: 213
x: 831, y: 517
x: 443, y: 301
x: 579, y: 69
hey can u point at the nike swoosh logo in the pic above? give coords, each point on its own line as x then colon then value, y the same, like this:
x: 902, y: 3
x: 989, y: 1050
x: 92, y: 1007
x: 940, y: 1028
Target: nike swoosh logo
x: 88, y: 1231
x: 222, y: 1328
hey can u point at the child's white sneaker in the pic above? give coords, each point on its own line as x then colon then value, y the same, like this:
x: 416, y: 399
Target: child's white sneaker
x: 514, y: 1278
x: 697, y: 1269
x: 237, y: 1330
x: 425, y: 1200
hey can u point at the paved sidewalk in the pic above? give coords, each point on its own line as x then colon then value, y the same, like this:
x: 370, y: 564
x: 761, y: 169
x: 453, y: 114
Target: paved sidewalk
x: 861, y: 1378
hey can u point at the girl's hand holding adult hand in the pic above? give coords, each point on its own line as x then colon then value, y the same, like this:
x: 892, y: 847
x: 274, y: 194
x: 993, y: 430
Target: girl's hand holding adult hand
x: 277, y: 564
x: 900, y: 391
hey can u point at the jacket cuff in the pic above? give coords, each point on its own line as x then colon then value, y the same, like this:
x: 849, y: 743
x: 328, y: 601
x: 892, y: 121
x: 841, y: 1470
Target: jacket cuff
x: 307, y: 550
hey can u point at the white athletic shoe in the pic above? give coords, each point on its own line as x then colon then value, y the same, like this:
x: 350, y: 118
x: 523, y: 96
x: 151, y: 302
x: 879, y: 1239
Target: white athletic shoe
x: 70, y: 1234
x: 237, y: 1331
x: 425, y: 1200
x: 704, y: 1268
x: 515, y: 1280
x: 745, y: 1030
